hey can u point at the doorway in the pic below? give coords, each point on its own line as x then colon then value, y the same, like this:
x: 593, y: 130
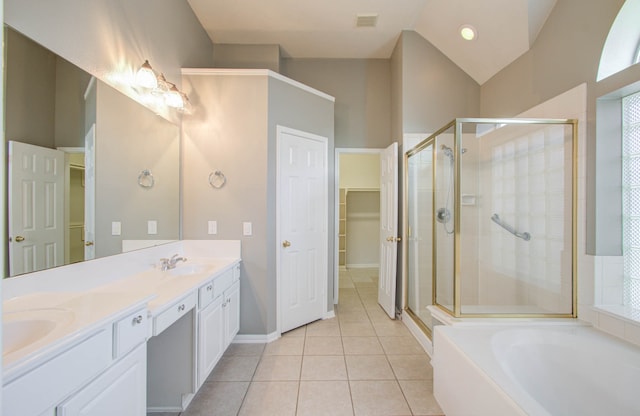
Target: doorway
x: 357, y: 213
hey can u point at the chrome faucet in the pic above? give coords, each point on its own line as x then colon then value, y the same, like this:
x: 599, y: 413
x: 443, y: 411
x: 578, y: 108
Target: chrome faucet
x: 168, y: 264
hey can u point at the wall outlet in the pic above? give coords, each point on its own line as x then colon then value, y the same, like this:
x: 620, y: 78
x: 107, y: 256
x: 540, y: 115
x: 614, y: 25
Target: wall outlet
x: 247, y: 228
x: 152, y: 227
x: 116, y: 228
x: 212, y: 227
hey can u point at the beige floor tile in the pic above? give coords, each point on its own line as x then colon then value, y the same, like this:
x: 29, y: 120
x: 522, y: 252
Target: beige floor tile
x: 234, y: 368
x: 323, y: 367
x: 353, y: 316
x: 285, y: 346
x: 275, y: 398
x: 346, y: 292
x: 245, y: 350
x: 346, y: 307
x: 377, y: 313
x: 324, y: 328
x: 367, y: 284
x: 378, y: 398
x: 361, y: 278
x: 357, y: 329
x: 298, y: 332
x: 324, y: 398
x: 411, y: 367
x: 391, y: 328
x: 368, y: 291
x: 401, y: 346
x: 419, y: 394
x: 323, y: 346
x: 344, y: 283
x: 278, y: 368
x: 223, y: 398
x: 362, y: 346
x: 368, y: 367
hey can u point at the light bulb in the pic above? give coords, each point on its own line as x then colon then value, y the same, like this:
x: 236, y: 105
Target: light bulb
x: 145, y: 77
x: 173, y: 98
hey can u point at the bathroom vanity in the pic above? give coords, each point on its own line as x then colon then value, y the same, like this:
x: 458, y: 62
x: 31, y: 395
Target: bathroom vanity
x: 119, y: 335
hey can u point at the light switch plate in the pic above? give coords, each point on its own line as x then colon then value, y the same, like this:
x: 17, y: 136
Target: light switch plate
x: 212, y: 227
x: 247, y: 228
x: 116, y: 228
x: 152, y: 227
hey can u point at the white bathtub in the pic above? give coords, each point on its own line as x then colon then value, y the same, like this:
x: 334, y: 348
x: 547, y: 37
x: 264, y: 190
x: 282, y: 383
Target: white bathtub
x: 534, y: 370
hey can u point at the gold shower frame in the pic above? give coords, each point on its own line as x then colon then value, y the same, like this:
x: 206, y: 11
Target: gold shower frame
x: 457, y: 304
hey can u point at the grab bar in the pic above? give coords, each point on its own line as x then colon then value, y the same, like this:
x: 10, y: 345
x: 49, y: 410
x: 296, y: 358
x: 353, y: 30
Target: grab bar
x: 525, y: 236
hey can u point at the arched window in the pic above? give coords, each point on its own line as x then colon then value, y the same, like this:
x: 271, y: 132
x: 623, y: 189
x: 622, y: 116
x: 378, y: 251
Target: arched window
x: 621, y: 49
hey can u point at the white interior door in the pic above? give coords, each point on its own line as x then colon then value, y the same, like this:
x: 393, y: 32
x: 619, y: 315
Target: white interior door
x: 36, y: 208
x: 90, y: 194
x: 302, y: 227
x: 388, y: 229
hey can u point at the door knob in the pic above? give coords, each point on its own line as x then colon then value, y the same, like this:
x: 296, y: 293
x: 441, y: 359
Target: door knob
x: 19, y: 239
x: 88, y: 243
x: 286, y: 244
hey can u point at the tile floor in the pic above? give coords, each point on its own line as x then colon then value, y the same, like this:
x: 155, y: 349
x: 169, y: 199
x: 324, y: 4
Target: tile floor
x: 360, y: 363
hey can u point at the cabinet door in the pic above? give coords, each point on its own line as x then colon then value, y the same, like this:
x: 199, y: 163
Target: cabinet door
x: 210, y: 338
x: 121, y: 390
x: 231, y: 313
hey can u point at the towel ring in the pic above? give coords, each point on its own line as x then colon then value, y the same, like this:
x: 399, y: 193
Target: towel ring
x: 145, y: 179
x: 217, y: 179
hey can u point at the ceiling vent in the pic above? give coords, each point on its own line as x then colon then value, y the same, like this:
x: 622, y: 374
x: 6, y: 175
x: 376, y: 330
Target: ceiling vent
x: 367, y: 20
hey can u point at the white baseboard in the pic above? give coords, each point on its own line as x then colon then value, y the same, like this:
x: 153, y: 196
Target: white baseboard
x: 255, y: 339
x: 330, y: 314
x: 418, y: 333
x: 363, y: 266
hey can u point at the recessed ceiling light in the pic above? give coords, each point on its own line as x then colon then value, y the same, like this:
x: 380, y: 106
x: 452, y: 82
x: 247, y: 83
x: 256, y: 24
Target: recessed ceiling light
x: 468, y: 32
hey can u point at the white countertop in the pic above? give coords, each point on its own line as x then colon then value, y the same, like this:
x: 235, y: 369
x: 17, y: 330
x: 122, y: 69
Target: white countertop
x: 80, y: 313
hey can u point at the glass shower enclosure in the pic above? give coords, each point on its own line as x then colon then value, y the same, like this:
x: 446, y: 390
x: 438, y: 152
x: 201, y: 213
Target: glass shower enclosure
x: 490, y: 220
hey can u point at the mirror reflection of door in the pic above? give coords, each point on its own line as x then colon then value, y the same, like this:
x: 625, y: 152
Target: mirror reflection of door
x: 89, y: 236
x: 36, y: 208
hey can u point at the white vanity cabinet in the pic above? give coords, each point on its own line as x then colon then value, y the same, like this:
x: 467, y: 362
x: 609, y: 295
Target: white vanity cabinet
x: 102, y: 373
x: 218, y: 319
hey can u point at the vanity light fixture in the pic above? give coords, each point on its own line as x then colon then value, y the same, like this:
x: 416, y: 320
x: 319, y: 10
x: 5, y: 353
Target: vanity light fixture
x: 468, y: 32
x: 173, y: 97
x: 145, y: 77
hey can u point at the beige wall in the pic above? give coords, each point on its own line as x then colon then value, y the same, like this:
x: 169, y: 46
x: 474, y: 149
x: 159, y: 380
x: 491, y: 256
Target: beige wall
x: 130, y: 138
x: 246, y: 56
x: 111, y: 39
x: 234, y: 130
x: 30, y: 92
x: 362, y: 91
x: 358, y: 170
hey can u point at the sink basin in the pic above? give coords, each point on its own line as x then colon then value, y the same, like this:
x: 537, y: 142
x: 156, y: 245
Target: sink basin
x: 187, y: 269
x: 23, y: 328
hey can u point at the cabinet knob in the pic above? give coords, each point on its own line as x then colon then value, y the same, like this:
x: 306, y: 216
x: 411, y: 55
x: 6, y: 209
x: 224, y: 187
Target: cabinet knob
x: 88, y: 243
x: 286, y: 244
x: 137, y: 320
x: 210, y: 288
x: 181, y: 307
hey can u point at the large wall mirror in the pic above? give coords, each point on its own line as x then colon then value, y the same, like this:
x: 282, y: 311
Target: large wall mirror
x: 91, y: 172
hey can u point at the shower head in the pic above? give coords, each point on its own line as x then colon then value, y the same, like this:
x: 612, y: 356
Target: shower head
x: 449, y: 152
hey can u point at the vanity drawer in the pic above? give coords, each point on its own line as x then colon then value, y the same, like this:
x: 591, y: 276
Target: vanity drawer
x: 174, y: 312
x: 129, y: 332
x: 205, y: 295
x: 222, y: 282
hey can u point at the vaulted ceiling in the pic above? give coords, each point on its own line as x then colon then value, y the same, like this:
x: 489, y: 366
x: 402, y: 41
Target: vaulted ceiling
x: 327, y: 29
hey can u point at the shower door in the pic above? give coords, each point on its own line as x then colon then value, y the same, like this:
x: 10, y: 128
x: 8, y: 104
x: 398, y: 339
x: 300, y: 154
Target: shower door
x: 419, y: 232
